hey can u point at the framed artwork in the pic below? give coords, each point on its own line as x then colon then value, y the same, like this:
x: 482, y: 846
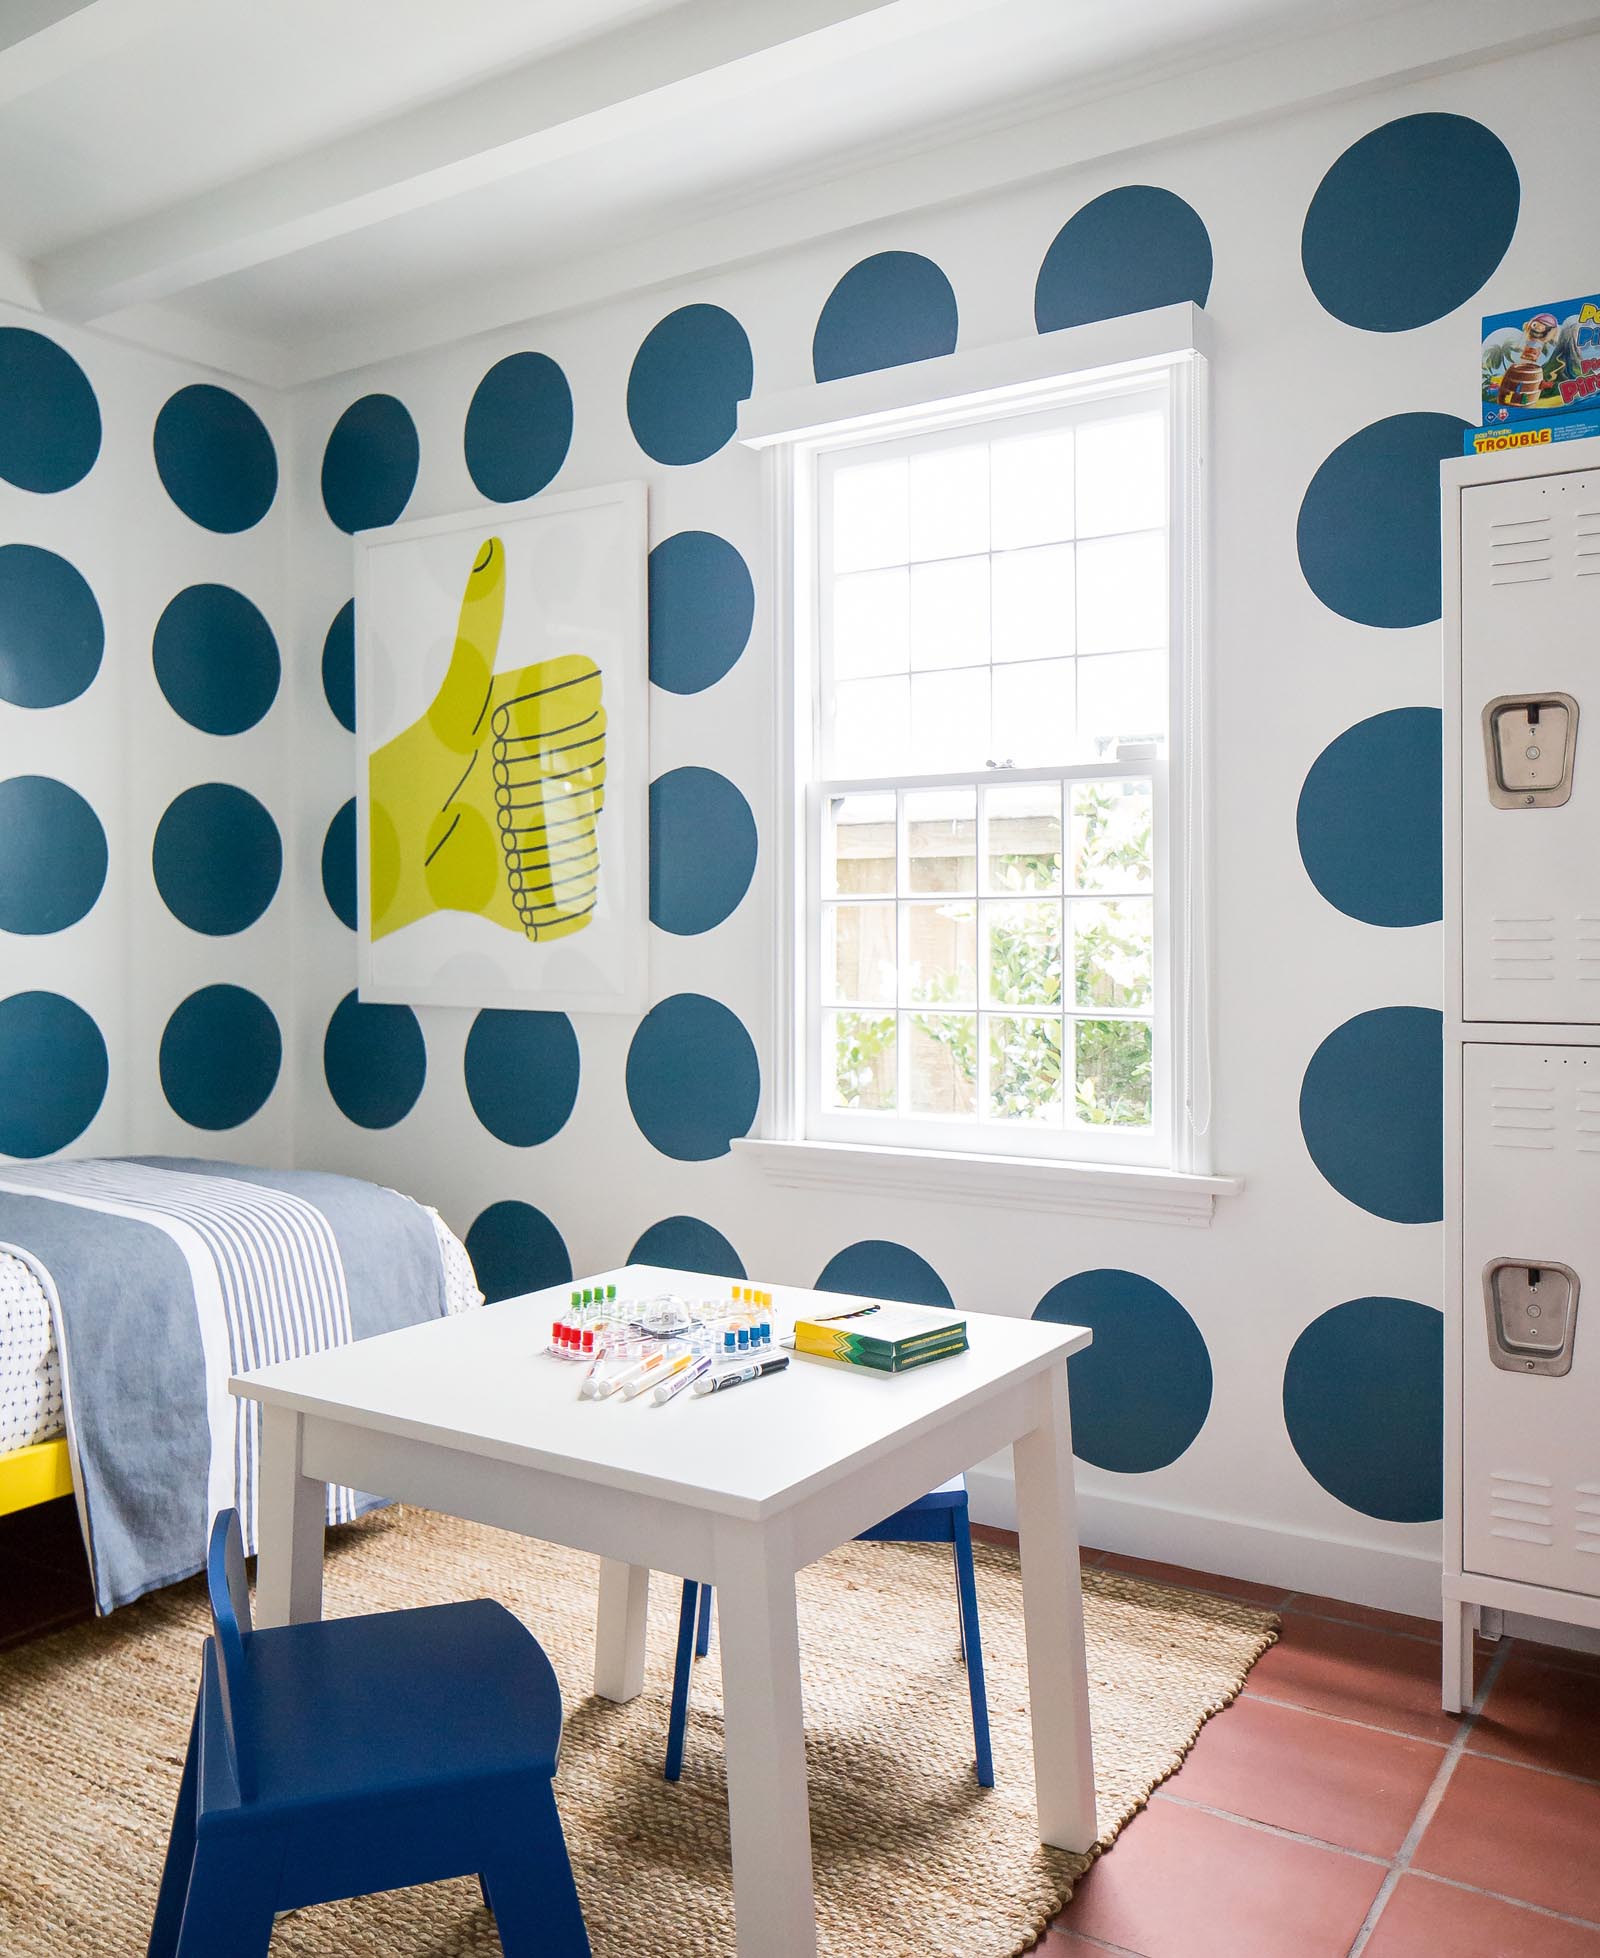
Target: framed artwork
x: 502, y: 725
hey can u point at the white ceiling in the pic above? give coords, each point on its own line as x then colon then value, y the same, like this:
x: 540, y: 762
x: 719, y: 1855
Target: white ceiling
x: 290, y: 186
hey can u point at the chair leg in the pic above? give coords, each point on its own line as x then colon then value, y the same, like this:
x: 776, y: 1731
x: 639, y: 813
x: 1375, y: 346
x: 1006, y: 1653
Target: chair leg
x: 702, y: 1634
x: 232, y: 1889
x: 536, y: 1907
x: 972, y: 1646
x: 678, y: 1718
x: 180, y: 1854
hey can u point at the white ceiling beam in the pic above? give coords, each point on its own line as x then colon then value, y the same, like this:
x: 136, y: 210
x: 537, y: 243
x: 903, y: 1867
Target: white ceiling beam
x: 674, y: 63
x: 42, y: 40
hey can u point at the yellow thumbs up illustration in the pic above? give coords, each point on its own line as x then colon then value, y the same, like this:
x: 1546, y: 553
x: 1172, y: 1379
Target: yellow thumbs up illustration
x: 490, y: 802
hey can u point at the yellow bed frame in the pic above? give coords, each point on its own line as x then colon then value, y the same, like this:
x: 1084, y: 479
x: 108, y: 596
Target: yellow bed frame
x: 34, y: 1475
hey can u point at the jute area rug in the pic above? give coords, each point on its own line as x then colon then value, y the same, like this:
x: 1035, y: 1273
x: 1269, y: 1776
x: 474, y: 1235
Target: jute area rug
x: 912, y: 1857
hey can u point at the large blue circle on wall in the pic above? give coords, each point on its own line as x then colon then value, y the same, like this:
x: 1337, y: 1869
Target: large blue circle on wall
x: 53, y: 1073
x: 217, y: 858
x: 53, y: 864
x: 52, y: 637
x: 687, y: 1244
x: 216, y: 659
x: 339, y: 865
x: 1372, y: 1112
x: 1410, y: 221
x: 519, y: 427
x: 522, y: 1074
x: 49, y: 417
x: 339, y: 665
x: 1363, y: 1400
x: 220, y: 1057
x: 515, y: 1248
x: 1124, y: 252
x: 692, y: 370
x: 876, y: 1267
x: 369, y: 467
x: 1141, y: 1393
x: 889, y: 309
x: 694, y: 1082
x: 215, y: 458
x: 374, y: 1060
x: 1368, y: 534
x: 1370, y: 819
x: 702, y: 605
x: 702, y: 850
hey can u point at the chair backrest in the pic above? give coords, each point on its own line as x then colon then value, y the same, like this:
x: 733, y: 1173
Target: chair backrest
x: 232, y: 1629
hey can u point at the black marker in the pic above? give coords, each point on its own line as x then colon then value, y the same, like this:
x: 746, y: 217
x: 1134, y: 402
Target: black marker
x: 714, y: 1383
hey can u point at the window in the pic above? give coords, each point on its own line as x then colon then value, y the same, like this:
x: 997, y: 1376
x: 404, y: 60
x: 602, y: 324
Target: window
x: 991, y: 667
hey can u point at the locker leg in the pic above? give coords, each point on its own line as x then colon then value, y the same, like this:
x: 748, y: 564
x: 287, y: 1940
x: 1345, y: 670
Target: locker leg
x: 1491, y: 1621
x: 1457, y: 1644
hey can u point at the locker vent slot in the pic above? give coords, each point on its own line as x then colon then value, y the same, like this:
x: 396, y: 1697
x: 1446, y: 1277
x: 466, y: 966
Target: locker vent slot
x: 1522, y: 552
x: 1522, y: 1533
x: 1528, y: 947
x: 1526, y: 1123
x: 1586, y: 528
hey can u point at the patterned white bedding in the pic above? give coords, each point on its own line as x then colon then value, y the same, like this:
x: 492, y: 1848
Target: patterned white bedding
x: 30, y: 1370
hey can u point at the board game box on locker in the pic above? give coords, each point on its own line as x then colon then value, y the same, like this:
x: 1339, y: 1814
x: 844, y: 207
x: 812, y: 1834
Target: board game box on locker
x: 1540, y: 376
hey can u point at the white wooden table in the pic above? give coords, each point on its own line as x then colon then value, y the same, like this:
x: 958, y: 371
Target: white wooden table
x: 740, y: 1489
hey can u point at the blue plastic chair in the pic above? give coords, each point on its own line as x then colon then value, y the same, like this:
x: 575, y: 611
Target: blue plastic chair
x: 330, y: 1760
x: 937, y: 1518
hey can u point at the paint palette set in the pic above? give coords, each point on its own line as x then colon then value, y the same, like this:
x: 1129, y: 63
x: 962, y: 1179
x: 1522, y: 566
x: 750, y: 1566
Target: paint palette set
x: 663, y: 1345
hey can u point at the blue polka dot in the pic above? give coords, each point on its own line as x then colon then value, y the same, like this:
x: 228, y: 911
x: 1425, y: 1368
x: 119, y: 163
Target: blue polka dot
x: 878, y: 1268
x: 53, y: 1073
x: 702, y: 850
x: 694, y: 1082
x: 52, y: 636
x: 1369, y: 821
x: 1368, y: 534
x: 49, y: 417
x: 220, y: 1057
x: 216, y: 659
x: 1372, y: 1112
x: 702, y: 605
x: 686, y: 1244
x: 1363, y: 1400
x: 1141, y: 1393
x: 53, y: 866
x: 522, y: 1074
x: 519, y: 427
x: 339, y: 665
x: 339, y: 865
x: 688, y: 378
x: 1124, y: 252
x: 217, y: 859
x: 375, y: 1061
x: 515, y: 1249
x: 892, y: 308
x: 1410, y: 222
x: 216, y: 458
x: 369, y: 467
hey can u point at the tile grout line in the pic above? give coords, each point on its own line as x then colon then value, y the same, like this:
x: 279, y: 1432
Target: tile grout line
x: 1500, y: 1897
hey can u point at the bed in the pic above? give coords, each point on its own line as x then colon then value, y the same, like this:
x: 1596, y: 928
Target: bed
x: 113, y: 1389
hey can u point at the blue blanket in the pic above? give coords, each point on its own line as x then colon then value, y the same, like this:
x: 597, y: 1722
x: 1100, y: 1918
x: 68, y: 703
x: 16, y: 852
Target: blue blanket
x: 166, y: 1276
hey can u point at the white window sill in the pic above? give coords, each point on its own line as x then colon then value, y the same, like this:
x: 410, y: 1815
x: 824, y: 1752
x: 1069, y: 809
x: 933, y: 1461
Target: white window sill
x: 1117, y: 1190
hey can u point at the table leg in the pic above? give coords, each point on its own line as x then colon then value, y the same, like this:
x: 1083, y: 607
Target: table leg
x: 764, y: 1744
x: 291, y: 1509
x: 1052, y: 1609
x: 619, y: 1630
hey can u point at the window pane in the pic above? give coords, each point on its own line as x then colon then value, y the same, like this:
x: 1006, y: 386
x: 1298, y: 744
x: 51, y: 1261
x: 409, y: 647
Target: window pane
x: 858, y: 953
x: 1024, y: 1069
x: 950, y: 502
x: 950, y: 613
x: 871, y: 624
x: 1030, y: 480
x: 871, y: 727
x: 941, y: 953
x: 1034, y: 713
x: 943, y: 1063
x: 941, y: 839
x: 1122, y: 474
x: 1122, y: 593
x: 1033, y: 610
x: 858, y: 1060
x: 1024, y: 847
x: 1112, y: 958
x: 869, y: 515
x: 858, y: 844
x: 1121, y: 697
x: 1111, y: 1074
x: 1111, y: 829
x: 1024, y: 953
x: 949, y: 720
